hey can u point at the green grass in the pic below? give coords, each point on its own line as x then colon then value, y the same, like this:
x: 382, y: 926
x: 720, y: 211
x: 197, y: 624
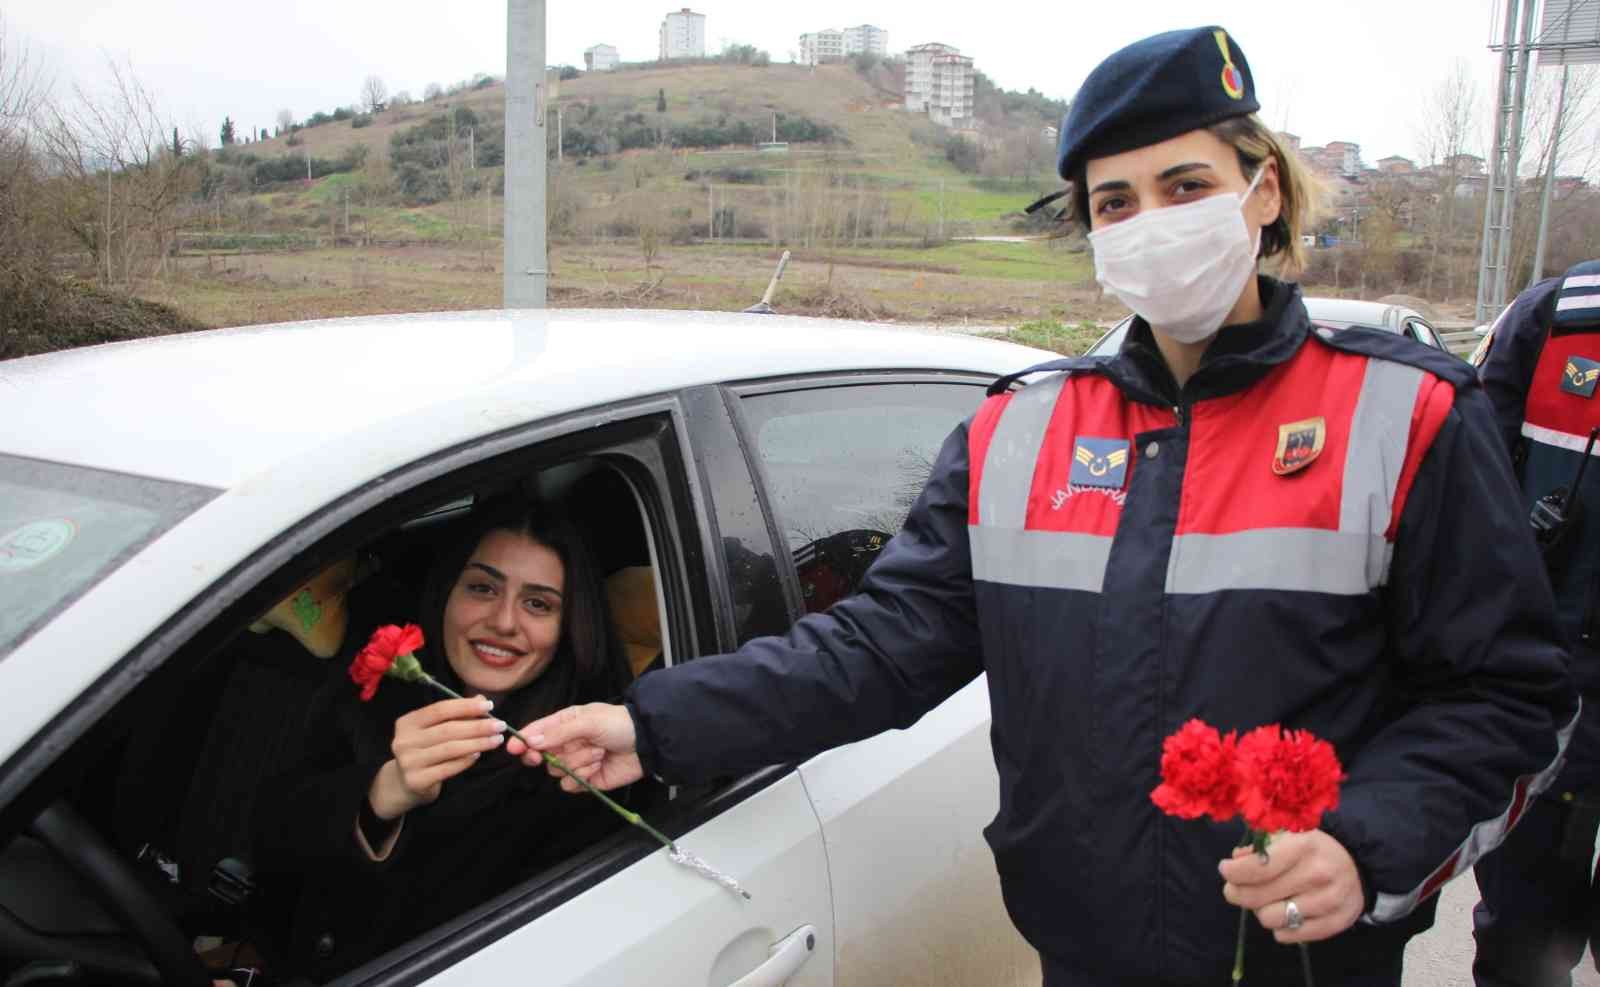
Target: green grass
x: 1048, y: 334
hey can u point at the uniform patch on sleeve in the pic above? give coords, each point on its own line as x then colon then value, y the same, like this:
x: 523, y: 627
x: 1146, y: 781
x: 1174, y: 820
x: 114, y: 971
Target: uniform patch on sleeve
x: 1579, y: 376
x: 1099, y: 462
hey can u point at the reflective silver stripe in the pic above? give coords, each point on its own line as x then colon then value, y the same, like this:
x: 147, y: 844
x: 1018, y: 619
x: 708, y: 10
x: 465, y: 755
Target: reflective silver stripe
x: 1046, y: 559
x: 1578, y: 301
x: 1582, y: 281
x: 1481, y: 838
x: 1308, y: 560
x: 1014, y: 453
x: 1561, y: 440
x: 1379, y: 433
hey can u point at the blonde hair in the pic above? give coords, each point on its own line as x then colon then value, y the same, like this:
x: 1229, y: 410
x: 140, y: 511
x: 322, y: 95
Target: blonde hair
x: 1300, y: 191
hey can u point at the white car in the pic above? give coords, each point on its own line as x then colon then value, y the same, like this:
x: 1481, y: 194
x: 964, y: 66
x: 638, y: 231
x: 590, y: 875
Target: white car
x: 1333, y: 313
x: 157, y: 498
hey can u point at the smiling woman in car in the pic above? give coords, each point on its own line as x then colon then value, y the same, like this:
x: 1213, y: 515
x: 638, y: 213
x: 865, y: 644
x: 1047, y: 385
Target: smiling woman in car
x: 406, y: 811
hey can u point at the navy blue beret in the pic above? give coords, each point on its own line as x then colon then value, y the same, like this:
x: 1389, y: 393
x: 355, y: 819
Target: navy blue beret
x: 1154, y: 90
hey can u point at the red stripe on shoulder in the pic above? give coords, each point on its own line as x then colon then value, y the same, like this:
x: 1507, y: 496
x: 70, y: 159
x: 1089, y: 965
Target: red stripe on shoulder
x: 979, y: 435
x: 1435, y: 398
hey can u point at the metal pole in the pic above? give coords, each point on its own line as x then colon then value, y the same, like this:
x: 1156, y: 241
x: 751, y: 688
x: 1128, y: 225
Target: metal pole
x: 526, y: 263
x: 1550, y: 178
x: 558, y: 134
x: 1513, y: 157
x: 1492, y: 185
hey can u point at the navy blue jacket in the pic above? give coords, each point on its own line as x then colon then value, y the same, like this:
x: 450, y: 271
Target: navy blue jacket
x: 1539, y: 374
x: 1213, y: 569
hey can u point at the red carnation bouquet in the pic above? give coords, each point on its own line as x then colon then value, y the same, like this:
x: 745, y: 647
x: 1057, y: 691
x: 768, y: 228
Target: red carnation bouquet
x: 1277, y: 780
x: 391, y: 653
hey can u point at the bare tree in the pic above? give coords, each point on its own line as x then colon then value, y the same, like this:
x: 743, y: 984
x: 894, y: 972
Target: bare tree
x: 117, y: 186
x: 26, y: 235
x: 374, y: 94
x: 432, y: 91
x: 285, y: 120
x: 1449, y: 130
x: 1572, y: 138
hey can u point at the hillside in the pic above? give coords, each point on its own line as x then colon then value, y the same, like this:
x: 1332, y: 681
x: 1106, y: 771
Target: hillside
x: 884, y: 175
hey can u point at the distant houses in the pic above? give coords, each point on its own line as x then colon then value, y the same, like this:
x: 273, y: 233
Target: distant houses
x: 832, y: 45
x: 600, y: 58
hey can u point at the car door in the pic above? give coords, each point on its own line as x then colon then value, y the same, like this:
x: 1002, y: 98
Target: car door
x: 650, y: 920
x: 915, y: 894
x: 617, y: 911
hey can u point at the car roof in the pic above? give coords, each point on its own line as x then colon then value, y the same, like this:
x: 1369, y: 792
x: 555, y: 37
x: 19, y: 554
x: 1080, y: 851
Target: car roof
x: 1350, y: 311
x: 217, y: 407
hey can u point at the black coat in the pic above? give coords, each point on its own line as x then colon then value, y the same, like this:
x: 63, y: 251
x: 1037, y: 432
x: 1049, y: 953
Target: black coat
x: 492, y: 827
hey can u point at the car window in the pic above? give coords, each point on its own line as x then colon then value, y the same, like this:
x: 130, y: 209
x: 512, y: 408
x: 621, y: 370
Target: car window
x: 65, y: 528
x: 843, y: 466
x: 1423, y: 333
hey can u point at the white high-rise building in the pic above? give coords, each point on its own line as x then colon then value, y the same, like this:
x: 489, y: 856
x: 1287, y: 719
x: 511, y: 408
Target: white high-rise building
x: 683, y: 35
x: 600, y: 58
x: 821, y: 46
x: 939, y: 83
x: 866, y: 38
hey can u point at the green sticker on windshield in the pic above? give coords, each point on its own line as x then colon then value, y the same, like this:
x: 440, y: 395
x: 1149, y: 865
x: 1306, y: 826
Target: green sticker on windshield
x: 35, y: 543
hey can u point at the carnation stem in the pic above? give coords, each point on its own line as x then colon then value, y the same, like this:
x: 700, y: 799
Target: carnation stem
x: 1305, y: 965
x: 632, y: 817
x: 1238, y: 948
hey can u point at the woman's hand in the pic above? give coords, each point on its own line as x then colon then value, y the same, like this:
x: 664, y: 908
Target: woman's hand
x: 1313, y: 870
x: 432, y: 745
x: 595, y: 741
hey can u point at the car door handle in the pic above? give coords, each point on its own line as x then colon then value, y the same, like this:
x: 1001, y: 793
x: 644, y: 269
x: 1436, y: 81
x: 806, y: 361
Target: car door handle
x: 787, y: 956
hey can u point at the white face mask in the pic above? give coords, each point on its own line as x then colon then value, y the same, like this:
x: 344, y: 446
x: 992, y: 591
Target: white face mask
x: 1182, y: 268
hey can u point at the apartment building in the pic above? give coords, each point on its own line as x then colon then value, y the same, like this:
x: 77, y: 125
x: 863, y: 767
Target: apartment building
x: 832, y: 44
x: 600, y: 58
x: 939, y: 83
x: 817, y: 47
x: 864, y: 38
x: 683, y: 35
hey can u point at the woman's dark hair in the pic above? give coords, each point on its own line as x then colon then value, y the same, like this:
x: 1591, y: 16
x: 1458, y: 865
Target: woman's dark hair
x: 589, y: 662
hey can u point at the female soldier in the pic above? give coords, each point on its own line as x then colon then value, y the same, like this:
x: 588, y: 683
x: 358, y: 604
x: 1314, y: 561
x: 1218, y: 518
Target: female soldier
x: 406, y: 813
x: 1235, y: 518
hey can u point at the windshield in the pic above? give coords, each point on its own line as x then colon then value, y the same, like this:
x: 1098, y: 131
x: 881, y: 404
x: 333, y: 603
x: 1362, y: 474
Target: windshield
x: 65, y: 528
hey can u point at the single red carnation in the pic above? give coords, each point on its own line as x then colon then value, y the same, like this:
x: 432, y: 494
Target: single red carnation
x: 373, y: 662
x: 1198, y: 774
x: 1288, y: 779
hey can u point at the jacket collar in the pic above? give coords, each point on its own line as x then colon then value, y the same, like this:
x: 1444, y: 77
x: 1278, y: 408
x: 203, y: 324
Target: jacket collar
x: 1238, y: 356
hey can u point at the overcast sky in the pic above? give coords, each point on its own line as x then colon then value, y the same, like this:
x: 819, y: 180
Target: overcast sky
x: 1339, y: 70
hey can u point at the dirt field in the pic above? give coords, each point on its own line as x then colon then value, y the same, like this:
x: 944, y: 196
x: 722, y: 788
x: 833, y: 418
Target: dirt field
x: 979, y: 283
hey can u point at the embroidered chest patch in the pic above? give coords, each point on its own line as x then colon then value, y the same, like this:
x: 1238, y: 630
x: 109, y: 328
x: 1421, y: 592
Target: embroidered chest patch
x: 1099, y: 462
x: 1299, y: 444
x: 1579, y: 376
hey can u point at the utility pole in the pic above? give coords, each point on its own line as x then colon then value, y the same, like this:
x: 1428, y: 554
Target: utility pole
x: 774, y: 126
x: 711, y: 212
x: 1550, y: 177
x: 308, y: 164
x: 1500, y: 202
x: 526, y: 261
x: 472, y: 148
x: 941, y: 209
x: 558, y: 134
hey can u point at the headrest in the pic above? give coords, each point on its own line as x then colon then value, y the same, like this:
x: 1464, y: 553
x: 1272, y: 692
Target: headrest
x: 317, y: 613
x: 632, y: 595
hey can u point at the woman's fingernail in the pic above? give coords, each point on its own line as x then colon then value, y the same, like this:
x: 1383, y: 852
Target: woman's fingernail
x: 500, y: 725
x: 536, y: 740
x: 488, y: 704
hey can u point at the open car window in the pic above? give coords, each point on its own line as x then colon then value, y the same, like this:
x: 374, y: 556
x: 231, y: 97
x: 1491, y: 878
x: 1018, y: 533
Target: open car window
x: 180, y: 776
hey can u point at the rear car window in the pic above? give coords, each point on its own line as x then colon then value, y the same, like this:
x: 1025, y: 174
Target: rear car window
x: 65, y: 528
